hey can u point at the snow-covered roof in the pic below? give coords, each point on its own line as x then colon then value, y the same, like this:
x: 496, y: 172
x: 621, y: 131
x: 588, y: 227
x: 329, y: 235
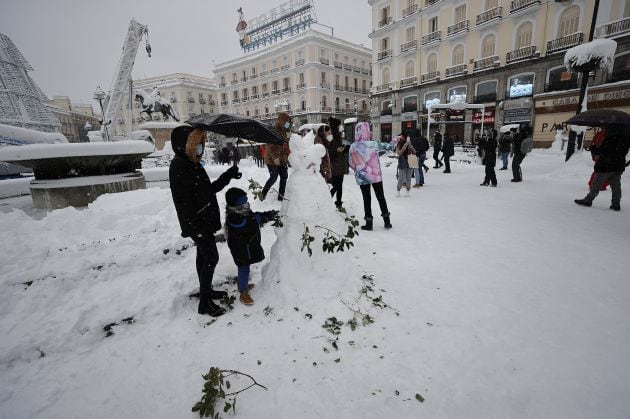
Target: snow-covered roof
x: 604, y: 49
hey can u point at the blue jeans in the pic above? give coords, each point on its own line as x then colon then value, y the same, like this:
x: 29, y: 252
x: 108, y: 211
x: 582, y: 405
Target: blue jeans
x: 504, y: 159
x: 243, y: 278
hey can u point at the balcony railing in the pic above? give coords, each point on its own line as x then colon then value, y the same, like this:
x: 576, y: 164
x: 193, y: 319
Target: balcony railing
x: 300, y: 86
x: 488, y: 97
x: 409, y: 81
x: 347, y: 67
x: 520, y: 54
x: 486, y: 62
x: 245, y: 99
x: 385, y: 21
x: 284, y: 67
x: 202, y: 101
x: 299, y: 62
x: 356, y: 69
x: 286, y: 89
x: 325, y: 109
x: 224, y: 103
x: 384, y: 87
x: 409, y: 46
x: 243, y: 79
x: 365, y: 70
x: 233, y: 81
x: 456, y: 70
x: 614, y: 28
x: 274, y: 70
x: 561, y: 85
x: 410, y: 10
x: 338, y: 87
x: 253, y: 76
x: 265, y: 95
x: 324, y: 85
x: 431, y: 76
x: 458, y: 27
x: 254, y: 96
x: 428, y: 3
x: 235, y: 101
x: 432, y: 37
x: 337, y: 64
x: 275, y: 92
x: 564, y: 43
x: 517, y: 5
x: 222, y: 84
x: 264, y: 73
x: 383, y: 54
x: 488, y: 15
x: 324, y: 61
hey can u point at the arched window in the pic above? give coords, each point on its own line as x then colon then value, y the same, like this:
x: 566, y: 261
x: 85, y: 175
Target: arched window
x: 364, y: 106
x: 410, y: 69
x: 432, y: 63
x: 487, y: 46
x: 266, y: 109
x: 523, y: 35
x: 458, y: 55
x: 385, y: 75
x: 569, y: 21
x: 621, y: 67
x: 337, y: 103
x: 559, y: 78
x: 347, y: 105
x: 302, y: 104
x: 256, y: 113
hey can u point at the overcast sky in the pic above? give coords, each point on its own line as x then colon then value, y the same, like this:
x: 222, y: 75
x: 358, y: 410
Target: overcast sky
x: 73, y: 45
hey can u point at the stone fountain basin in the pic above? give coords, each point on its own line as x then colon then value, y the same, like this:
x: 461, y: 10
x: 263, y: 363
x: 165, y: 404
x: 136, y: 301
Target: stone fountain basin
x: 57, y: 161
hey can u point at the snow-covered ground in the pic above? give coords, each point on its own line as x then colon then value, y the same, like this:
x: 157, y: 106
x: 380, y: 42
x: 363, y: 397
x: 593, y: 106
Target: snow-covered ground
x: 508, y: 302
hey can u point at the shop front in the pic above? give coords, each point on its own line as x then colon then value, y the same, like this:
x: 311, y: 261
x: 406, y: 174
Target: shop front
x: 386, y: 128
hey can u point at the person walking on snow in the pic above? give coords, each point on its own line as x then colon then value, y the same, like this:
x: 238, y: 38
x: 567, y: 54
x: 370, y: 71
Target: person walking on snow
x: 437, y: 147
x: 242, y: 227
x: 421, y: 145
x: 194, y: 197
x: 448, y: 150
x: 403, y: 150
x: 489, y: 160
x: 610, y: 163
x: 504, y: 149
x: 364, y: 161
x: 337, y: 161
x: 277, y: 157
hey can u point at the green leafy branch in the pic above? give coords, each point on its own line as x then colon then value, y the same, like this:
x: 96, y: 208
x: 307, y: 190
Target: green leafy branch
x: 214, y: 389
x: 257, y: 190
x: 332, y: 241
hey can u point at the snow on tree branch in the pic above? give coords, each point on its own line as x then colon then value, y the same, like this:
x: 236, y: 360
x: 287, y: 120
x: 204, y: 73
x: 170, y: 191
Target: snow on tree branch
x: 598, y: 53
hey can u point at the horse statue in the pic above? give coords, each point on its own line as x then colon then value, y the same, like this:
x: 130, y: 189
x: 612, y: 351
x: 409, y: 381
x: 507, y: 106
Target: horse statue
x: 155, y: 103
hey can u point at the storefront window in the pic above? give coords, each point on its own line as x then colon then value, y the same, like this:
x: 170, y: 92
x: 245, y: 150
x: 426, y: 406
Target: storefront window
x: 486, y: 92
x: 430, y: 99
x: 457, y: 94
x: 410, y: 104
x: 521, y: 85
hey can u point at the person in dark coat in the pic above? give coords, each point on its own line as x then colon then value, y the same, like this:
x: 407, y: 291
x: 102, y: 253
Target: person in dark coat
x: 448, y: 150
x: 243, y: 237
x: 420, y: 143
x: 337, y: 161
x: 489, y: 160
x: 504, y: 149
x: 437, y: 147
x: 197, y: 208
x: 322, y: 137
x: 517, y: 156
x: 610, y: 163
x: 277, y: 157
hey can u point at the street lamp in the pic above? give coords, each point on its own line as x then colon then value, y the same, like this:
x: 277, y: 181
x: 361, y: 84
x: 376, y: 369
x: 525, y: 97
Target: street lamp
x: 583, y: 85
x: 99, y: 95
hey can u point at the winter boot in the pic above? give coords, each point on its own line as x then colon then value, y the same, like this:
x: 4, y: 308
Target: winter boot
x: 583, y: 202
x: 615, y: 207
x: 368, y: 224
x: 246, y: 299
x: 210, y: 308
x: 387, y: 223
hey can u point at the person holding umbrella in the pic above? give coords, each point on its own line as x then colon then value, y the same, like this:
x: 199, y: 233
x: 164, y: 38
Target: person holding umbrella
x: 194, y: 196
x: 277, y: 157
x: 610, y: 163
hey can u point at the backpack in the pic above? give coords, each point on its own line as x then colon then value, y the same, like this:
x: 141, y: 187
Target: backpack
x: 362, y: 131
x: 424, y: 145
x: 527, y: 145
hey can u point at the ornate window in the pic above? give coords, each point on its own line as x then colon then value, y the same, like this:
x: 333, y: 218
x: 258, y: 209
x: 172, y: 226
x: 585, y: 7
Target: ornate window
x: 569, y: 21
x: 487, y: 46
x: 524, y: 35
x: 458, y: 55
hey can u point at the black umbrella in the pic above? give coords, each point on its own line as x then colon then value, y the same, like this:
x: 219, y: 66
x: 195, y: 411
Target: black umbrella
x: 237, y: 126
x: 600, y: 118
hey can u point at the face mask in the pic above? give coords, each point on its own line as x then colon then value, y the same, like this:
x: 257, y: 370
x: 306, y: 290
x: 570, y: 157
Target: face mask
x: 329, y: 137
x: 199, y: 149
x: 340, y: 128
x: 287, y: 125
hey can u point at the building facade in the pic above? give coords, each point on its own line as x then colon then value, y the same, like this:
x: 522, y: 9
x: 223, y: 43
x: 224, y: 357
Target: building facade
x: 76, y: 119
x: 188, y: 95
x: 311, y: 75
x: 505, y: 54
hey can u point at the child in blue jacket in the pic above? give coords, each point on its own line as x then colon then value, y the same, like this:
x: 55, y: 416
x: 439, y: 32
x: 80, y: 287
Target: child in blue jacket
x: 242, y: 226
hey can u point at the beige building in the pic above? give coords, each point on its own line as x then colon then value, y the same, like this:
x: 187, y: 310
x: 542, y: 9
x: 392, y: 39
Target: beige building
x: 76, y: 119
x: 504, y: 54
x: 311, y: 75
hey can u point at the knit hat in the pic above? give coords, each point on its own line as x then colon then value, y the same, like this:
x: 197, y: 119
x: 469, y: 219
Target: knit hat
x: 235, y: 197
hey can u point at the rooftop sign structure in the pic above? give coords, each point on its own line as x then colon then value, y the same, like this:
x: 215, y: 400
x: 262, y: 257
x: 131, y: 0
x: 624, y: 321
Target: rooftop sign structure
x: 288, y: 19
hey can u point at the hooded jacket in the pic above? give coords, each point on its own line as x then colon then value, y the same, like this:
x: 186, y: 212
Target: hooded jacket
x: 193, y: 192
x: 276, y: 154
x: 364, y: 161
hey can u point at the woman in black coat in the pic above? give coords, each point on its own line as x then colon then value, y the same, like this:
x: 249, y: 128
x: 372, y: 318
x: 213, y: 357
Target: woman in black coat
x: 489, y: 160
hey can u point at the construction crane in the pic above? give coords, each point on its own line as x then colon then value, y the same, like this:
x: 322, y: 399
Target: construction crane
x: 122, y: 81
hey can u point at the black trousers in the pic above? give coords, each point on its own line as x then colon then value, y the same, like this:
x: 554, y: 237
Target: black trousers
x: 337, y: 188
x: 436, y: 157
x: 207, y: 259
x: 274, y: 171
x: 447, y: 163
x: 517, y: 174
x: 491, y: 175
x: 367, y: 200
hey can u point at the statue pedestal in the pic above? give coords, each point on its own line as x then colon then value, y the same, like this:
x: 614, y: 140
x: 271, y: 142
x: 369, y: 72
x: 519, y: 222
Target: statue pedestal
x: 80, y: 191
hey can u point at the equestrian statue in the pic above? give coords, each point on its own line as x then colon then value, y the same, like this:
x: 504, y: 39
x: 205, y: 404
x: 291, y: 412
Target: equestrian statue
x: 155, y: 103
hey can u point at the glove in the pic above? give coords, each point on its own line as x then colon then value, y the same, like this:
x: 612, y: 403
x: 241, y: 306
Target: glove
x: 233, y: 172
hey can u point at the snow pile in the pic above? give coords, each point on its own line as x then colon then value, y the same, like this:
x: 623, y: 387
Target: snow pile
x: 48, y: 151
x: 602, y: 51
x: 19, y: 136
